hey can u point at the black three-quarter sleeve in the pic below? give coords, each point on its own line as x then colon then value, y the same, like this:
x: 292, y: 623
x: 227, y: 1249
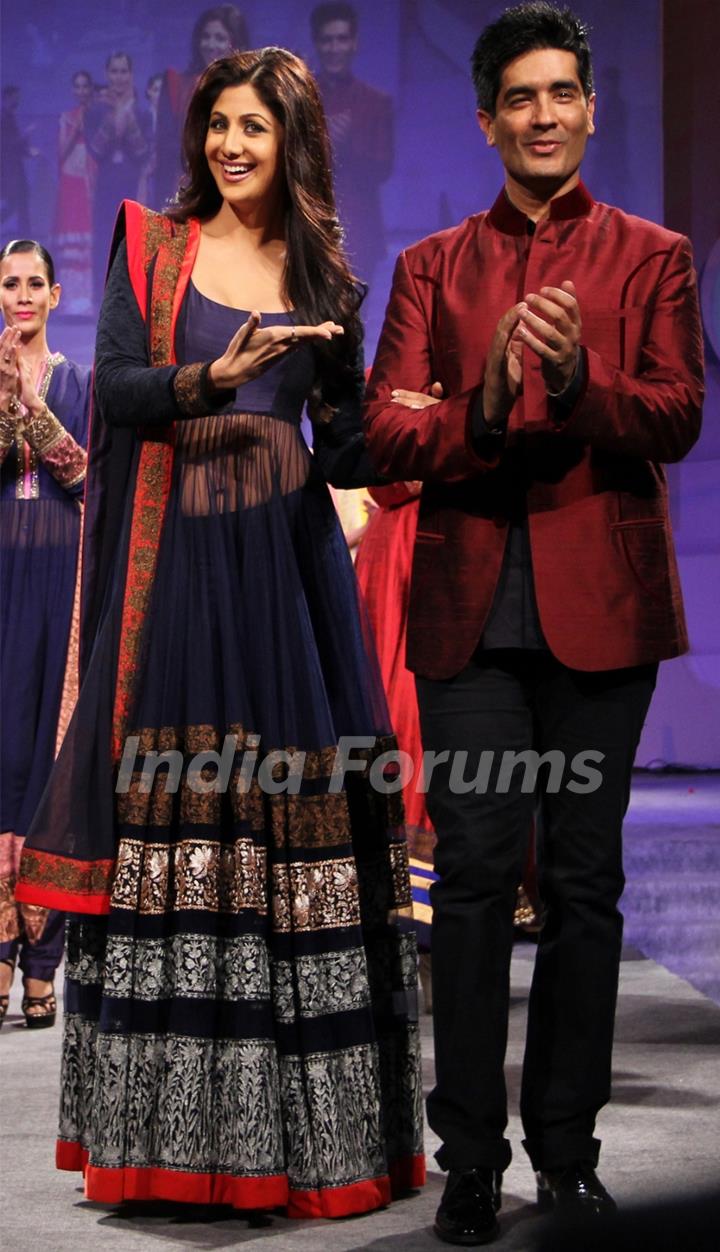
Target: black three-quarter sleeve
x: 132, y: 392
x: 338, y: 441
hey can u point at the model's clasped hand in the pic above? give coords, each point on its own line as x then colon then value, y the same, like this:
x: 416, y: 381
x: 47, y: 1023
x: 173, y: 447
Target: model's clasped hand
x: 550, y: 324
x: 17, y: 385
x: 254, y: 348
x: 28, y: 391
x: 9, y: 344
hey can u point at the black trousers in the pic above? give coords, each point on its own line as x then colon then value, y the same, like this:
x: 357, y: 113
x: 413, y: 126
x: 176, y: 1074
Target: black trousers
x: 509, y: 701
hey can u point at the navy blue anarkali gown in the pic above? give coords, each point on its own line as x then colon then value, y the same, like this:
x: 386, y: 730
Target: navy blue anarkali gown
x: 241, y: 1025
x: 42, y: 476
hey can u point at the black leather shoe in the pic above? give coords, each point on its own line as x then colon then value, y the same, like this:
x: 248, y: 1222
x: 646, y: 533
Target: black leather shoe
x: 575, y: 1191
x: 467, y: 1210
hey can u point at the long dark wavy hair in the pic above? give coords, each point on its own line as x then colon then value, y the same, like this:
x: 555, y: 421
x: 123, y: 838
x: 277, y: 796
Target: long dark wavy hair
x: 317, y: 281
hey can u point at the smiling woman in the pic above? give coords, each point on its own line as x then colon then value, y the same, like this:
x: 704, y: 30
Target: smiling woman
x: 244, y: 139
x: 241, y: 1025
x: 244, y: 154
x: 262, y: 112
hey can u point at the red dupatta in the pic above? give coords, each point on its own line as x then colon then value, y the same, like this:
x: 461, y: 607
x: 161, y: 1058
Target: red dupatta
x: 150, y: 237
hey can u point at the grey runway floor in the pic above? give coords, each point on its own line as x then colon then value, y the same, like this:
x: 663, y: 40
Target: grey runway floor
x: 660, y: 1138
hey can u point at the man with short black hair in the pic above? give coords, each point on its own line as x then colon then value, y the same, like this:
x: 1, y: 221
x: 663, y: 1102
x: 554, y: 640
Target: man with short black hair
x: 361, y: 124
x: 566, y: 336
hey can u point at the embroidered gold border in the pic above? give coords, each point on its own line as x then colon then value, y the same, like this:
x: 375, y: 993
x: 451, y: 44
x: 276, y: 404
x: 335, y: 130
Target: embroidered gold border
x: 154, y: 470
x: 56, y: 358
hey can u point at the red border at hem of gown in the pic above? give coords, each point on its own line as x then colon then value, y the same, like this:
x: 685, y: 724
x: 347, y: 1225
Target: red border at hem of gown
x: 64, y: 901
x: 64, y: 883
x: 113, y: 1186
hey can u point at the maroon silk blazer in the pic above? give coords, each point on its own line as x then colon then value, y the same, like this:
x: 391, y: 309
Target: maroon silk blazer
x: 605, y: 572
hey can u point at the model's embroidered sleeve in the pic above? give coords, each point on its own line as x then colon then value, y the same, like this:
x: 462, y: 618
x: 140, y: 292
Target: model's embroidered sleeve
x: 8, y: 430
x: 61, y: 455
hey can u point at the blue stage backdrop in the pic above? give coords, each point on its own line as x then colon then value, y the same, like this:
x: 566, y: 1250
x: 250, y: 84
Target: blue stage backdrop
x: 437, y: 171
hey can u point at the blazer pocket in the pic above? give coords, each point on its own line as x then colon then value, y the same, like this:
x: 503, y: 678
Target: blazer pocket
x: 428, y: 536
x: 634, y: 523
x: 643, y: 545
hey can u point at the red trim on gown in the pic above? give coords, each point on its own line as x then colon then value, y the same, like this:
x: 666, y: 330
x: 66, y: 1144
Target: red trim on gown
x: 115, y: 1186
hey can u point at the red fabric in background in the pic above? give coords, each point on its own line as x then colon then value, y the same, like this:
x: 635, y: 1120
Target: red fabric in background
x: 382, y: 565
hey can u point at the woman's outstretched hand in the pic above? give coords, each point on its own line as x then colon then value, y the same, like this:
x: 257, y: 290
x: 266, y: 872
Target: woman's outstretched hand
x: 418, y: 399
x: 253, y: 349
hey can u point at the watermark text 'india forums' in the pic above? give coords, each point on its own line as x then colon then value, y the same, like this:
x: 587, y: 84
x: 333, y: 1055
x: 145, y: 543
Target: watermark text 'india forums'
x: 281, y: 771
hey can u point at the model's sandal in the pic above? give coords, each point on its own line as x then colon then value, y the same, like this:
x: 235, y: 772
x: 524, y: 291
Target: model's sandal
x: 45, y: 1010
x: 5, y: 999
